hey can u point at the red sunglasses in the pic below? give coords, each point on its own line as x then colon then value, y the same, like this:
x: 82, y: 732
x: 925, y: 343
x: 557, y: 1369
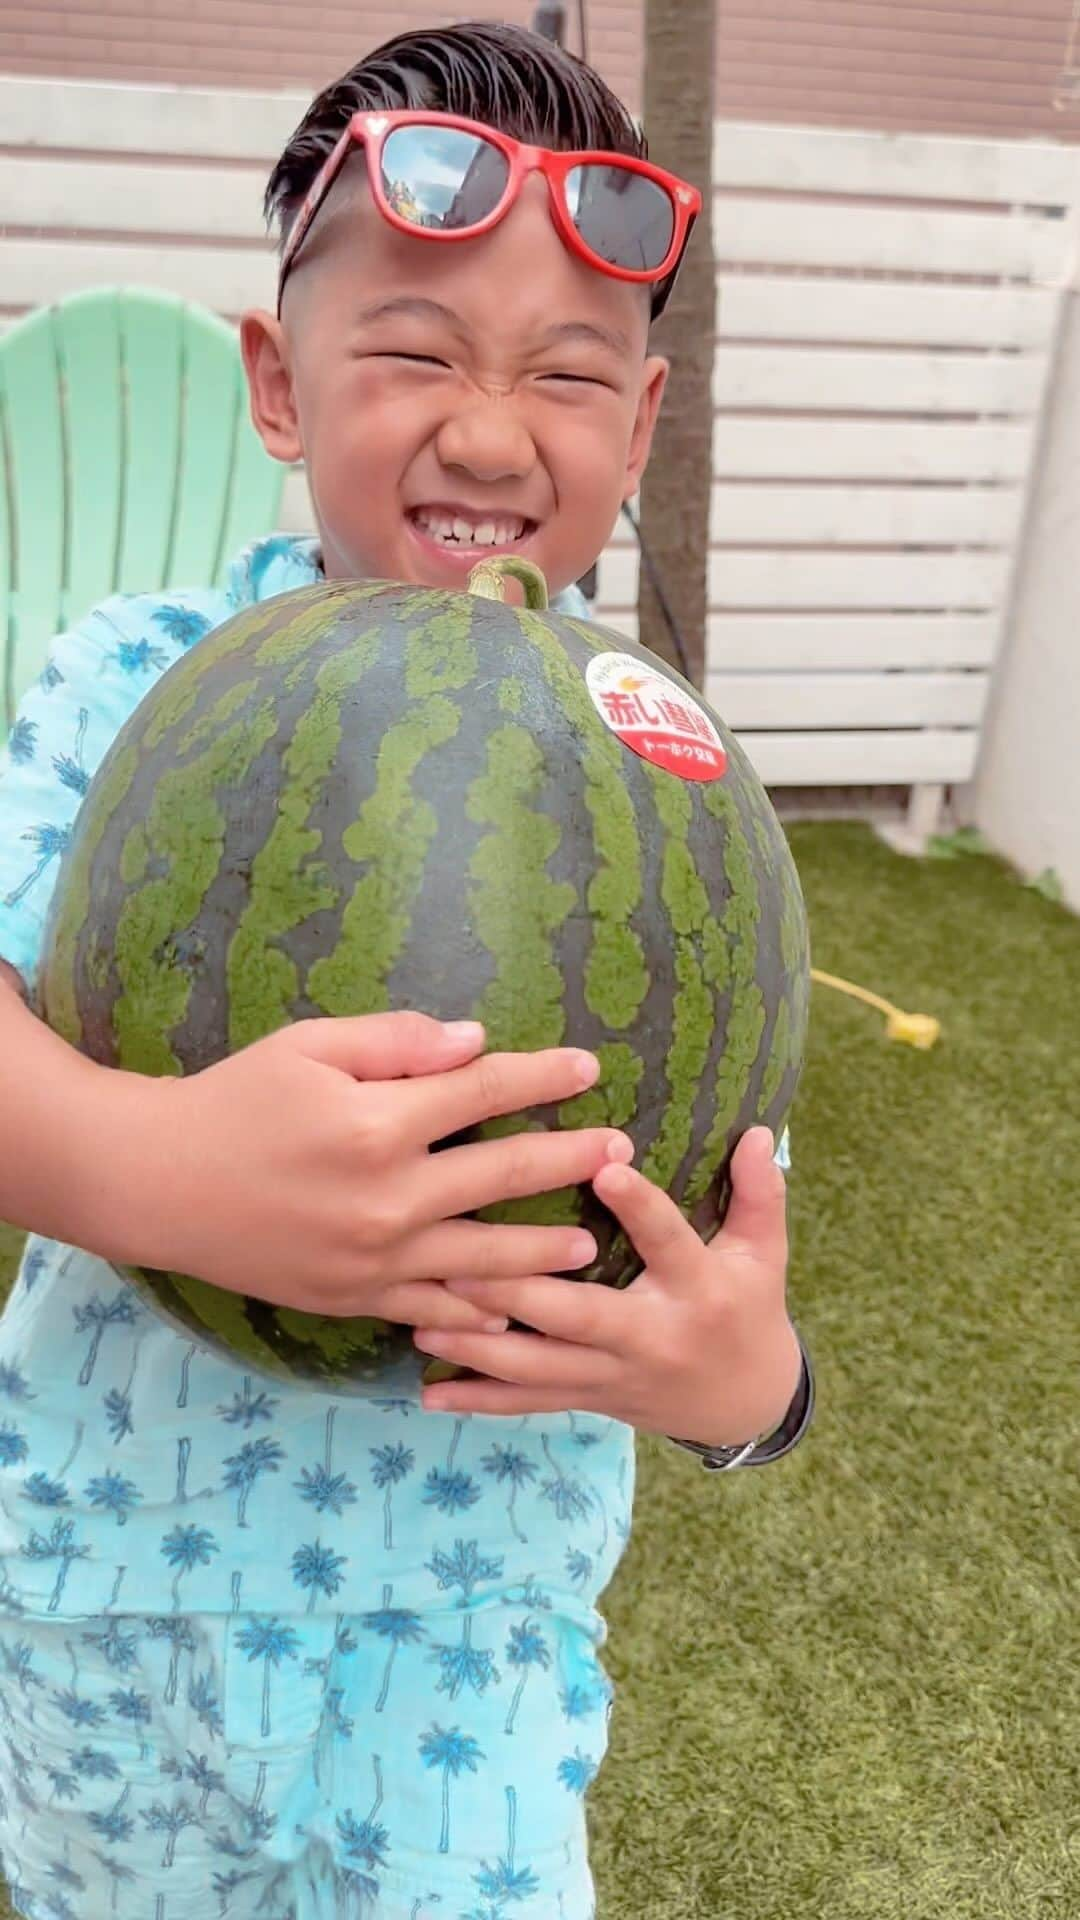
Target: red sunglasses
x: 440, y: 177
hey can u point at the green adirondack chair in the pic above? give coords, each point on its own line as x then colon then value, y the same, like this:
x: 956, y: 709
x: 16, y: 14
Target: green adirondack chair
x: 128, y: 463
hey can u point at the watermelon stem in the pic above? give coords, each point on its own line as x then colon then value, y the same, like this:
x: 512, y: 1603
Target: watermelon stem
x: 488, y: 580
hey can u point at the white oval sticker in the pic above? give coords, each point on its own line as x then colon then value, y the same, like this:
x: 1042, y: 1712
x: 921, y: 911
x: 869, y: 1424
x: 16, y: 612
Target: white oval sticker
x: 654, y: 717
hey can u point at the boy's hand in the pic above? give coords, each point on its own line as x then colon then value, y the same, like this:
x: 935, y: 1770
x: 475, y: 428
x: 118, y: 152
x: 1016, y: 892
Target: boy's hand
x: 699, y: 1346
x: 299, y: 1170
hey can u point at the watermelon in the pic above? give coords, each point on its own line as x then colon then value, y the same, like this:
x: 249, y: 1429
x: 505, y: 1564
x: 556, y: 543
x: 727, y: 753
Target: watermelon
x: 362, y: 796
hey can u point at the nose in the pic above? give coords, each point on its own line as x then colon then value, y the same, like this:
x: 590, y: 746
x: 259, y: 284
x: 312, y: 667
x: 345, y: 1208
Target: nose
x: 487, y: 439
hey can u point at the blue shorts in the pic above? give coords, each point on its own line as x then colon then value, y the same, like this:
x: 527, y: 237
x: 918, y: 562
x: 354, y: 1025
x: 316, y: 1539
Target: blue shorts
x: 298, y: 1767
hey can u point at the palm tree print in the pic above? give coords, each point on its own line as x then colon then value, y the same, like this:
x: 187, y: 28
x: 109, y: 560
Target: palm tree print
x: 50, y: 843
x: 118, y: 1414
x: 171, y: 1821
x: 22, y: 742
x: 98, y: 1314
x: 579, y: 1566
x: 204, y: 1704
x: 19, y: 1666
x: 14, y: 1383
x: 139, y: 656
x: 320, y: 1485
x: 506, y: 1882
x: 13, y: 1447
x: 177, y: 1629
x: 114, y: 1493
x: 91, y: 1764
x: 197, y: 1769
x: 115, y: 1826
x: 181, y: 624
x: 569, y: 1496
x: 33, y: 1266
x: 462, y: 1664
x: 464, y: 1568
x: 508, y: 1466
x: 70, y: 768
x: 402, y: 1627
x: 117, y: 1646
x: 577, y: 1772
x: 244, y: 1468
x: 270, y: 1642
x: 247, y: 1407
x: 45, y: 1492
x: 117, y: 1872
x: 225, y: 1885
x: 454, y: 1752
x: 185, y: 1548
x: 60, y: 1545
x: 450, y: 1489
x: 64, y: 1786
x: 390, y: 1465
x: 526, y: 1649
x: 367, y: 1840
x: 318, y: 1569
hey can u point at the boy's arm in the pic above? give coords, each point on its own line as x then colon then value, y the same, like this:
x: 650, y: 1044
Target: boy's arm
x: 53, y: 1102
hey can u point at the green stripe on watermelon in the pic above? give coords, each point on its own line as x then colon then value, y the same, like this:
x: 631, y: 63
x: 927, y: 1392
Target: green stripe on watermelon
x: 60, y: 1001
x: 687, y: 905
x: 287, y: 884
x: 185, y: 830
x: 216, y: 716
x: 746, y: 1013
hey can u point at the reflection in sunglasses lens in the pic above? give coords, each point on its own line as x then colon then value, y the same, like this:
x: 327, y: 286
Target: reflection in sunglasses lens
x: 440, y: 178
x: 625, y: 218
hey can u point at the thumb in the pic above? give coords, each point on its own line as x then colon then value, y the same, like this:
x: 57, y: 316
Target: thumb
x: 757, y: 1213
x: 390, y: 1046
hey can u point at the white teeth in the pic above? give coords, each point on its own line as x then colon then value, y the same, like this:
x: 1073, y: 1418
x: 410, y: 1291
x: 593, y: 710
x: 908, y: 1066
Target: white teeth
x: 458, y: 532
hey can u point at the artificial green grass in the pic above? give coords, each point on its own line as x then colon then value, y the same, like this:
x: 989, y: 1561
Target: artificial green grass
x: 849, y: 1685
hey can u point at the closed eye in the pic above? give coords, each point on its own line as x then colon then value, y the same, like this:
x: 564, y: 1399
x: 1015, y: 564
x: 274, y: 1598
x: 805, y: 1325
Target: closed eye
x: 413, y: 359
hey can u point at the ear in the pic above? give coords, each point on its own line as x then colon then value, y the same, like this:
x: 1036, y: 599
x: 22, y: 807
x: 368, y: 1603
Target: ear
x: 267, y: 363
x: 654, y: 376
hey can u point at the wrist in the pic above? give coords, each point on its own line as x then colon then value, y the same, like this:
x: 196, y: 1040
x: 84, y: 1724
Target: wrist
x: 115, y: 1202
x: 770, y: 1403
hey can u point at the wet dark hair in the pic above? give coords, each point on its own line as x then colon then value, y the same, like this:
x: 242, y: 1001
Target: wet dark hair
x: 504, y: 76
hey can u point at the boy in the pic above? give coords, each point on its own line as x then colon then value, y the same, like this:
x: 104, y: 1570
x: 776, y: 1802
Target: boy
x: 267, y: 1653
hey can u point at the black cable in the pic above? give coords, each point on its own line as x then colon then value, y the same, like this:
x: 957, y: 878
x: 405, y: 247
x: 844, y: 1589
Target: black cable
x: 657, y: 585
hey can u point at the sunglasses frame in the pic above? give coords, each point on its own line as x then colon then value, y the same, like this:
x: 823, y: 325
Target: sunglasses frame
x: 371, y: 130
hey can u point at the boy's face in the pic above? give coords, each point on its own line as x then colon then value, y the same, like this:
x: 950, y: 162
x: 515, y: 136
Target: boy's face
x: 450, y: 401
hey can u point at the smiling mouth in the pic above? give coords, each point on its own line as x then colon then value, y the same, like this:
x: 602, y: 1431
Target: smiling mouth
x: 459, y: 532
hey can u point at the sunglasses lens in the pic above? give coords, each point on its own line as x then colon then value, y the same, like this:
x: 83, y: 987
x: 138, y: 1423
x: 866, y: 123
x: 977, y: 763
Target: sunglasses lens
x: 623, y: 217
x: 440, y: 178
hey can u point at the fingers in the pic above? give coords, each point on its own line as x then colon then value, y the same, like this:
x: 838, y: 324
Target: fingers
x: 664, y: 1240
x: 388, y: 1046
x: 487, y: 1089
x: 524, y: 1360
x: 463, y: 1179
x: 571, y: 1310
x: 426, y: 1303
x: 495, y: 1398
x: 461, y: 1249
x: 756, y: 1218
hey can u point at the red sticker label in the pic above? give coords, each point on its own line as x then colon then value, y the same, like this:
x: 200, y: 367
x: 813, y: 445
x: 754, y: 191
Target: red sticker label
x: 654, y: 717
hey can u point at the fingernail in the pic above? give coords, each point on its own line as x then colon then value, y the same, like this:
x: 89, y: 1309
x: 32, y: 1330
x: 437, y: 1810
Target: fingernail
x: 621, y: 1149
x: 588, y: 1069
x: 464, y: 1032
x: 495, y: 1326
x: 583, y: 1249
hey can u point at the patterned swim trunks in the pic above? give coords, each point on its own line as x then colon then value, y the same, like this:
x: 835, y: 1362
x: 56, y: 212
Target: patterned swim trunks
x: 297, y: 1767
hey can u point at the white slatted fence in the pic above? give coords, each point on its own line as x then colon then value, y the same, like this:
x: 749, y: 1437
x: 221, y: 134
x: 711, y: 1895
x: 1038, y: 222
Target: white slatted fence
x: 888, y: 310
